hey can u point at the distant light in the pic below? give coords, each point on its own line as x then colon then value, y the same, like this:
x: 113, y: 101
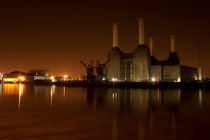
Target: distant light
x: 21, y: 78
x: 196, y: 78
x: 52, y: 78
x: 153, y: 79
x: 178, y: 80
x: 65, y: 76
x: 103, y: 79
x: 114, y: 79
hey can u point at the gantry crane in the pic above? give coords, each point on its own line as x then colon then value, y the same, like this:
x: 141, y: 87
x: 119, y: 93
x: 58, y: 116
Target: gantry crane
x: 89, y: 71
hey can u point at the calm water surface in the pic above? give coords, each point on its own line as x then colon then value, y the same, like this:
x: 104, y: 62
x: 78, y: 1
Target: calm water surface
x: 57, y: 112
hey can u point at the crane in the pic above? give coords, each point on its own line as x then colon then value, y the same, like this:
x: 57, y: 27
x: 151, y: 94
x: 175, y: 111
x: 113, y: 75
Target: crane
x: 89, y: 71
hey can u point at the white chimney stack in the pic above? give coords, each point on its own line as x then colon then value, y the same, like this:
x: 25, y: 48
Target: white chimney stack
x: 115, y: 35
x: 151, y: 46
x: 172, y: 43
x: 199, y: 74
x: 141, y: 31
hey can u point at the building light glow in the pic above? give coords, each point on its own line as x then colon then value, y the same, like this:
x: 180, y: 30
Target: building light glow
x: 114, y: 79
x: 178, y: 80
x: 21, y: 78
x: 14, y: 80
x: 153, y: 79
x: 52, y: 78
x: 65, y: 76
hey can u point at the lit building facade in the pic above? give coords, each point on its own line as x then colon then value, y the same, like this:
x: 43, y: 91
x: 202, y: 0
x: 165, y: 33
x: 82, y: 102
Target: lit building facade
x: 16, y: 76
x: 129, y: 66
x: 142, y: 66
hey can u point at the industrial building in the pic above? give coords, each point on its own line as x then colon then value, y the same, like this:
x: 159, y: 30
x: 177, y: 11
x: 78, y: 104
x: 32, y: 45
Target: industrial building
x: 33, y: 75
x: 16, y: 76
x: 95, y: 72
x: 42, y: 74
x: 141, y: 65
x: 37, y: 72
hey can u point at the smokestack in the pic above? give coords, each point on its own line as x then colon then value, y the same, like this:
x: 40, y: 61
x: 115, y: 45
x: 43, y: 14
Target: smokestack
x: 172, y: 43
x: 151, y: 46
x: 115, y: 35
x: 199, y: 62
x: 141, y: 31
x: 199, y: 74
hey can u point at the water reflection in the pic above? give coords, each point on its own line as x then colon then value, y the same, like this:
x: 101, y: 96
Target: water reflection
x: 115, y: 130
x: 13, y: 89
x: 200, y: 97
x: 52, y: 92
x: 1, y: 89
x: 118, y: 113
x: 20, y: 93
x: 10, y: 89
x: 143, y: 103
x: 115, y: 100
x: 133, y: 100
x: 64, y: 94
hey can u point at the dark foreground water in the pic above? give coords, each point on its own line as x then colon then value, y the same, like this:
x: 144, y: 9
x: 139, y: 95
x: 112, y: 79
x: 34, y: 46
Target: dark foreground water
x: 56, y: 112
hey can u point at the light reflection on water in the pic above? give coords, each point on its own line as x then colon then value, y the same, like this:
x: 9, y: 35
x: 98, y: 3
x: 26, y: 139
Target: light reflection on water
x: 133, y: 100
x: 105, y: 113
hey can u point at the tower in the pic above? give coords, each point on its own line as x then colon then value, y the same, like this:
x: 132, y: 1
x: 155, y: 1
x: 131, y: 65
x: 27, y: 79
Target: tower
x: 115, y: 35
x: 141, y: 58
x: 173, y: 56
x: 141, y: 31
x: 114, y: 56
x: 151, y: 46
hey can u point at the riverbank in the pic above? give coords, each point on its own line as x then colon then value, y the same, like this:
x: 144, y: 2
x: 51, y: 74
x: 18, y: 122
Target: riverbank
x: 194, y: 84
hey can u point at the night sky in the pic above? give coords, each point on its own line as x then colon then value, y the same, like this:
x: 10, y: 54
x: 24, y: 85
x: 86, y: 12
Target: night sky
x: 56, y: 35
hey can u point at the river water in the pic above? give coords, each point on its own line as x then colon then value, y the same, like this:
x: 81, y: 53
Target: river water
x: 59, y: 112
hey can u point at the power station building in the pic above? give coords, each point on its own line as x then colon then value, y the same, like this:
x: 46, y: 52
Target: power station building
x: 141, y: 65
